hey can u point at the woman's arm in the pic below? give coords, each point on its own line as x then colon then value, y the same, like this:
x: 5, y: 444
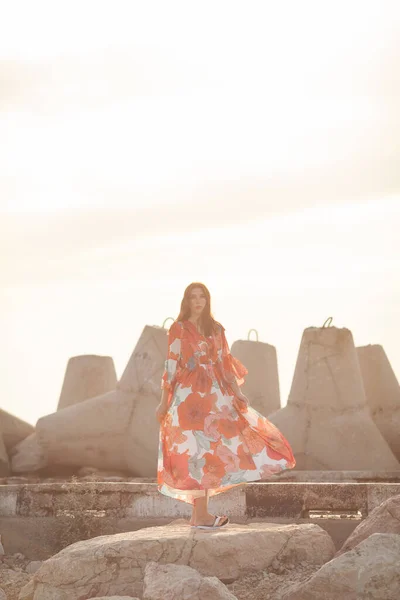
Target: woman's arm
x: 171, y: 364
x: 164, y: 397
x: 232, y: 369
x: 162, y: 408
x: 238, y: 392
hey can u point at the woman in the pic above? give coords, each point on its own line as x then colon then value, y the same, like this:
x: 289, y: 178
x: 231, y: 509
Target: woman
x: 210, y: 439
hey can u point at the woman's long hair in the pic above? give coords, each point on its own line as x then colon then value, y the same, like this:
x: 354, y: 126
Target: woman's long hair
x: 206, y: 320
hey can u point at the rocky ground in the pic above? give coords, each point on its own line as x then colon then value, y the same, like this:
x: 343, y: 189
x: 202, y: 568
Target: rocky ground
x: 258, y: 561
x: 15, y: 573
x: 272, y: 583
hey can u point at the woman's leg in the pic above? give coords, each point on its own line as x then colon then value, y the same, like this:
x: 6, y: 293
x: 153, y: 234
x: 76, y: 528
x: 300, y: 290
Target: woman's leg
x: 200, y: 515
x: 193, y: 517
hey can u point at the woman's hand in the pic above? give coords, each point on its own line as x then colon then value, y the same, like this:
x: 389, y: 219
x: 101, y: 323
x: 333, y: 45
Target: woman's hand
x: 161, y: 411
x: 243, y: 399
x: 238, y: 393
x: 241, y: 402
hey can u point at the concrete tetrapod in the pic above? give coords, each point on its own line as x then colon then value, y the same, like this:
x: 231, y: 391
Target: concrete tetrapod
x: 85, y: 377
x: 14, y: 430
x: 383, y: 393
x: 327, y: 420
x: 4, y: 464
x: 28, y: 456
x: 117, y: 430
x: 262, y: 382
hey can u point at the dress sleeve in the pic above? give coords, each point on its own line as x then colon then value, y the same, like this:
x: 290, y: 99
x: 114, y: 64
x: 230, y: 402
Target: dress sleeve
x: 231, y: 367
x: 173, y: 355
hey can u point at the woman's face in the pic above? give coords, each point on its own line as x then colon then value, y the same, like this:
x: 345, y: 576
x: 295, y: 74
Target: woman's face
x: 197, y: 301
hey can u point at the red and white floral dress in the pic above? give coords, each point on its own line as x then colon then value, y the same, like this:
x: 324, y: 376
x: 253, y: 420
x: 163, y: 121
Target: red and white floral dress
x: 209, y: 439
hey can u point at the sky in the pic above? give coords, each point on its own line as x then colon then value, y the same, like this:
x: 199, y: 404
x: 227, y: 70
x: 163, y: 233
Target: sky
x: 252, y: 146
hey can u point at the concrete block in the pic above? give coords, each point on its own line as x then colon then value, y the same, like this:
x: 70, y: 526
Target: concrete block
x: 117, y: 430
x: 262, y: 382
x: 382, y: 391
x: 28, y: 456
x: 90, y: 433
x: 326, y: 420
x: 4, y: 462
x: 87, y: 376
x: 145, y: 367
x: 14, y: 430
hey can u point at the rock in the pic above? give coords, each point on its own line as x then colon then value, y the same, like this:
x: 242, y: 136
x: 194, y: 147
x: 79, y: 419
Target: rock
x: 370, y: 571
x: 180, y: 582
x: 262, y: 382
x: 18, y: 556
x: 33, y: 566
x: 385, y: 518
x: 28, y: 455
x: 86, y: 377
x: 115, y: 564
x: 262, y: 585
x: 2, y: 553
x: 2, y: 594
x: 383, y: 393
x: 12, y: 581
x: 327, y: 420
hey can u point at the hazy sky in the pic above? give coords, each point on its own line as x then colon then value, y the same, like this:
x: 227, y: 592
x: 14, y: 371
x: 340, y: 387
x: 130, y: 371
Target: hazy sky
x: 144, y: 145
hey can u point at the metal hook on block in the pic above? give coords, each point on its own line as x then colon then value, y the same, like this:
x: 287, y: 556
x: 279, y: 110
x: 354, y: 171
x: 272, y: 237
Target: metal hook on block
x: 329, y: 321
x: 165, y: 320
x: 250, y: 330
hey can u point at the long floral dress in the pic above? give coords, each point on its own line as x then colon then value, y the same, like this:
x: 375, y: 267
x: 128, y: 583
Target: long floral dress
x: 209, y: 438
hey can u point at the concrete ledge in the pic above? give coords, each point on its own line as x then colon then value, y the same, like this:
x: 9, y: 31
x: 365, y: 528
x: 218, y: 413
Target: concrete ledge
x: 40, y: 519
x: 338, y: 476
x: 296, y: 500
x: 143, y: 500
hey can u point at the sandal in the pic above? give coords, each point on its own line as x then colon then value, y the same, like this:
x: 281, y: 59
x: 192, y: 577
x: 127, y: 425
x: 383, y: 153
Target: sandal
x: 219, y: 521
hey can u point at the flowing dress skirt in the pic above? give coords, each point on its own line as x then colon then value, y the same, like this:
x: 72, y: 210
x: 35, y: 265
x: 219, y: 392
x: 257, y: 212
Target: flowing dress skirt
x: 213, y: 441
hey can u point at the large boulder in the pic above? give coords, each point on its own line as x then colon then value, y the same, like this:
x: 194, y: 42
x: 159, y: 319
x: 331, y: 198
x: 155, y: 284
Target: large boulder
x: 371, y: 571
x: 262, y: 382
x: 385, y: 518
x: 383, y: 393
x: 85, y: 377
x: 180, y: 582
x: 115, y: 564
x: 326, y: 419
